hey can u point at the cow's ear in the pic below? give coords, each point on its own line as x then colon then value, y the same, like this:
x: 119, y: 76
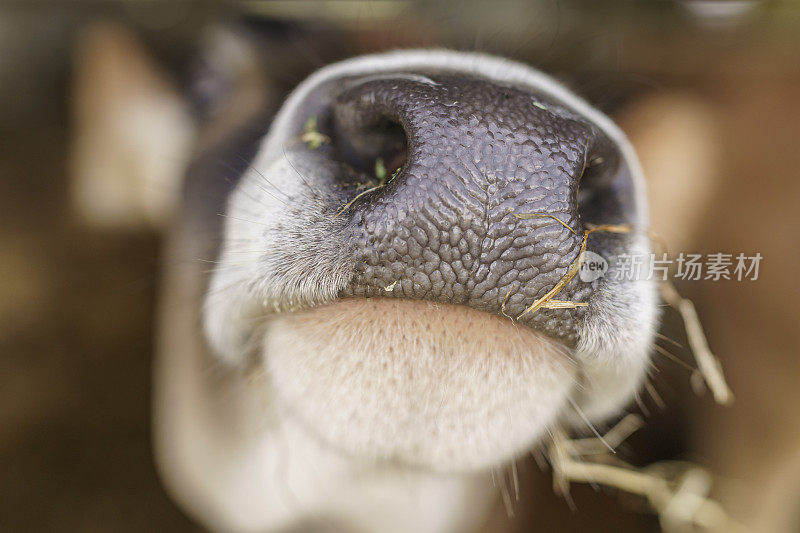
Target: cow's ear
x: 137, y: 122
x: 229, y: 80
x: 676, y: 136
x: 244, y: 67
x: 132, y: 131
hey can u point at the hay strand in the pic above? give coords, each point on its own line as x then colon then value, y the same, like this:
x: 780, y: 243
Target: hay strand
x: 708, y: 364
x: 677, y: 492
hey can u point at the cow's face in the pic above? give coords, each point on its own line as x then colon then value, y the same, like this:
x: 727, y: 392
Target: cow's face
x: 381, y: 255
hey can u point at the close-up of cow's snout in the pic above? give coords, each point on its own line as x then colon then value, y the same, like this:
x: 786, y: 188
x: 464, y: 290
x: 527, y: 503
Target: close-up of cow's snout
x: 400, y: 263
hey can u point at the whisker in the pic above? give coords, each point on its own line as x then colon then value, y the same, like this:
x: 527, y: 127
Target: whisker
x: 515, y: 479
x: 669, y: 340
x: 246, y: 193
x: 674, y: 358
x: 314, y: 192
x: 640, y: 403
x: 243, y: 220
x: 507, y: 503
x: 267, y: 180
x: 588, y: 423
x: 654, y: 394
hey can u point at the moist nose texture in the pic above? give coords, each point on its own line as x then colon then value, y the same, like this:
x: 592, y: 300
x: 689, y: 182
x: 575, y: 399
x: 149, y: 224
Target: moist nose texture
x: 444, y: 228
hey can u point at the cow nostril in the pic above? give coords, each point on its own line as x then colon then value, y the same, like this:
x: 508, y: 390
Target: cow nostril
x: 589, y: 184
x: 604, y: 188
x: 377, y: 147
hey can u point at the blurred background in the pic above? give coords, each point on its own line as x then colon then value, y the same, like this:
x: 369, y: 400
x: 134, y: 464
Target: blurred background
x: 100, y: 107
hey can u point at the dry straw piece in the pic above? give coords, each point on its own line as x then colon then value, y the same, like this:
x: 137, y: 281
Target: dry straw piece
x: 676, y: 491
x: 708, y: 365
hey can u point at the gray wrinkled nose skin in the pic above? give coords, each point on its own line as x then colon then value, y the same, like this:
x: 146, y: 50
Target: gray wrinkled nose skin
x: 444, y: 228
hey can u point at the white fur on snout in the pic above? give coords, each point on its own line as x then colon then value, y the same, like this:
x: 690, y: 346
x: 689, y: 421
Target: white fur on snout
x: 264, y: 215
x: 440, y: 386
x: 615, y: 342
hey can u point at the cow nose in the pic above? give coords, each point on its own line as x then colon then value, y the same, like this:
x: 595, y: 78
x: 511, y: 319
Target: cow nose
x: 483, y: 208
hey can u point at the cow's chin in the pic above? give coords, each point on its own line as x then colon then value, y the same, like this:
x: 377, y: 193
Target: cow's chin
x: 442, y: 387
